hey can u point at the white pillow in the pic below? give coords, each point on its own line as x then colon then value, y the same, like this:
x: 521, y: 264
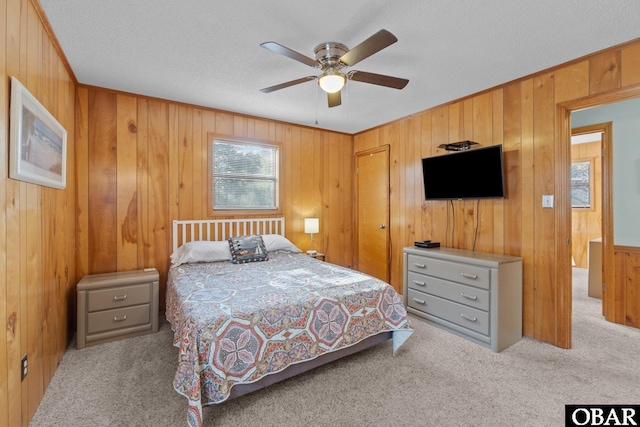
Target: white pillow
x: 201, y: 251
x: 276, y: 242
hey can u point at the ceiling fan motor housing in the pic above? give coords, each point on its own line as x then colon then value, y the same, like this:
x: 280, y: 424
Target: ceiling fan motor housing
x: 328, y: 54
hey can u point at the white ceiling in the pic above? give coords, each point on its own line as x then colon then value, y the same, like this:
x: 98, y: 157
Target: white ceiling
x: 207, y: 52
x: 586, y: 137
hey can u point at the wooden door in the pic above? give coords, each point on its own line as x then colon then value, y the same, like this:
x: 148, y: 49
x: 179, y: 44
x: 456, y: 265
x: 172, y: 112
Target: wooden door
x: 372, y: 212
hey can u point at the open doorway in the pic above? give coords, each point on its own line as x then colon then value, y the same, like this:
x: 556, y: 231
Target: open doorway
x: 587, y: 147
x: 620, y: 285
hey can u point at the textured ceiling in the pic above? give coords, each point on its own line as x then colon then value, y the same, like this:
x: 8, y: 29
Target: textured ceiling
x: 207, y: 52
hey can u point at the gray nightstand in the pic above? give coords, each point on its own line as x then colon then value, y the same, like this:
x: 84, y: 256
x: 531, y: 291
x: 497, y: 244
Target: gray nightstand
x: 119, y: 305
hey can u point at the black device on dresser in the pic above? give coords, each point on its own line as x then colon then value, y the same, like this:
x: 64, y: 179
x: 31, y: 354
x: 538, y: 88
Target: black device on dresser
x: 427, y: 244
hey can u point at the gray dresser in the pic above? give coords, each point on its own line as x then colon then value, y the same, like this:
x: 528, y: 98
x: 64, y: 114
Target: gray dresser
x: 113, y: 306
x: 475, y: 295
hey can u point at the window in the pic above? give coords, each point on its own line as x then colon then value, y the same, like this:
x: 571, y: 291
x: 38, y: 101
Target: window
x: 581, y: 184
x: 244, y: 175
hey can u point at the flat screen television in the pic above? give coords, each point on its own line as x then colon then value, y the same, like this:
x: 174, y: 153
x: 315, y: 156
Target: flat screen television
x: 471, y: 174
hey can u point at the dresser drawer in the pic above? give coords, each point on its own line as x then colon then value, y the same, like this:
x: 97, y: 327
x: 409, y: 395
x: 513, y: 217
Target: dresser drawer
x: 459, y: 314
x: 468, y: 295
x: 117, y: 319
x: 122, y: 296
x: 462, y: 273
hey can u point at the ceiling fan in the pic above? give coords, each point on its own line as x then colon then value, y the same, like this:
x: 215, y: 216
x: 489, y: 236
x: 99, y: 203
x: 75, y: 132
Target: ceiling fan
x: 332, y: 59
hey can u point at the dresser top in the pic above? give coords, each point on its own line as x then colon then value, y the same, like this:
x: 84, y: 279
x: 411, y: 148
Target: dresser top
x: 463, y: 255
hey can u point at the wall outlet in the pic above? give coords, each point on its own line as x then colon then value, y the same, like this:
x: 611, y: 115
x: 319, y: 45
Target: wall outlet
x: 23, y: 367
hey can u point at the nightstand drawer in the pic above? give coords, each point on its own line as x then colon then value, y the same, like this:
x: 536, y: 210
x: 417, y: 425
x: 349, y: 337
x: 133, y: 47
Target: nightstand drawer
x: 459, y: 314
x: 461, y: 273
x: 123, y: 296
x: 117, y: 319
x: 463, y: 294
x: 118, y: 305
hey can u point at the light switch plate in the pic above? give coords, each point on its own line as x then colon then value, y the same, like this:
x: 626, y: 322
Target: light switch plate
x: 547, y: 200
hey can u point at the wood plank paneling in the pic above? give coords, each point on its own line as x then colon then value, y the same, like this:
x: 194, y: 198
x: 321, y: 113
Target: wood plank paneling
x: 411, y: 225
x: 102, y: 206
x: 527, y: 210
x: 630, y: 63
x: 142, y: 179
x: 544, y: 219
x: 478, y: 225
x: 586, y: 222
x: 426, y: 150
x: 127, y: 186
x: 498, y: 138
x: 629, y: 257
x: 197, y: 166
x: 604, y: 72
x: 522, y: 116
x: 17, y: 321
x: 82, y: 179
x: 37, y: 263
x: 9, y: 328
x: 570, y: 81
x: 439, y: 210
x: 158, y: 202
x: 158, y: 152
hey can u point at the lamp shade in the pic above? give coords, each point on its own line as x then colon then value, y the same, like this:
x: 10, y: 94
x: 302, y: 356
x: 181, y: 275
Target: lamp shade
x: 311, y: 225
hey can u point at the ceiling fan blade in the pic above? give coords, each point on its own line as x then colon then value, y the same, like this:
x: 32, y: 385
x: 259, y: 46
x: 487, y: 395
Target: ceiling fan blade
x: 278, y: 48
x: 334, y: 99
x: 378, y: 79
x: 373, y: 44
x: 287, y: 84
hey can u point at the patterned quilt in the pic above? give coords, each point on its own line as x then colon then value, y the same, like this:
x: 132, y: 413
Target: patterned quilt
x: 236, y: 323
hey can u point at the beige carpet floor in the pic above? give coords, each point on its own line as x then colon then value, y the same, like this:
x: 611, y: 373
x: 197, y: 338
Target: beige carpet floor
x: 436, y: 379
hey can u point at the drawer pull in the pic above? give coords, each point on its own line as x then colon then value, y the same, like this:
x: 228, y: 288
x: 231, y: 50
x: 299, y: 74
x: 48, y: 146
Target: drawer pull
x: 419, y: 301
x: 119, y: 318
x: 469, y: 276
x: 419, y: 265
x: 120, y: 297
x: 471, y: 297
x: 417, y: 282
x: 470, y: 319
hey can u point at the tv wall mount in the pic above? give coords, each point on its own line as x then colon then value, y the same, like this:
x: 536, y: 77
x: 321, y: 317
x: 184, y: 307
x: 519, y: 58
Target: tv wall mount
x: 458, y: 146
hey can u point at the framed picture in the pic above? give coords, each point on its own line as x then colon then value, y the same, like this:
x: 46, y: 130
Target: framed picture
x: 37, y: 142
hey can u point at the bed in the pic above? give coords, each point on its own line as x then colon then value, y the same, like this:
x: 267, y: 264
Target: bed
x: 243, y: 323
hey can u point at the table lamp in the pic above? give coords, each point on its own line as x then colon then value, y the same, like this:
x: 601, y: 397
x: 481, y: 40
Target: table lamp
x: 311, y: 226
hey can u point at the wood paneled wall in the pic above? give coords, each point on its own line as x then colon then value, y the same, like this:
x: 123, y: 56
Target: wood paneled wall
x: 142, y: 163
x: 627, y: 269
x: 521, y: 115
x: 586, y: 223
x: 139, y: 163
x: 37, y: 224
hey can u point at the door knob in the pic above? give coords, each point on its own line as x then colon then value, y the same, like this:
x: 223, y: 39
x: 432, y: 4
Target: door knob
x: 382, y: 226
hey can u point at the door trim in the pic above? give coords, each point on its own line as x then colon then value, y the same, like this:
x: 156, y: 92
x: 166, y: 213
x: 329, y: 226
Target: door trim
x: 563, y: 210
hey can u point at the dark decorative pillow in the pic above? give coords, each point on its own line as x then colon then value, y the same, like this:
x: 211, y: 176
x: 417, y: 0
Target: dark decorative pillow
x: 247, y: 249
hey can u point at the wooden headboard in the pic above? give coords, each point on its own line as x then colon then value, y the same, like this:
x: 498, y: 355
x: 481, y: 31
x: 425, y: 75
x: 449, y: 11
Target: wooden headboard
x: 221, y: 229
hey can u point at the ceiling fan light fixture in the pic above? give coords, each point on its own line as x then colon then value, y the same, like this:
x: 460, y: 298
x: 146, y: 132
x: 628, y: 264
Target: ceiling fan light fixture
x: 332, y: 81
x: 334, y: 59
